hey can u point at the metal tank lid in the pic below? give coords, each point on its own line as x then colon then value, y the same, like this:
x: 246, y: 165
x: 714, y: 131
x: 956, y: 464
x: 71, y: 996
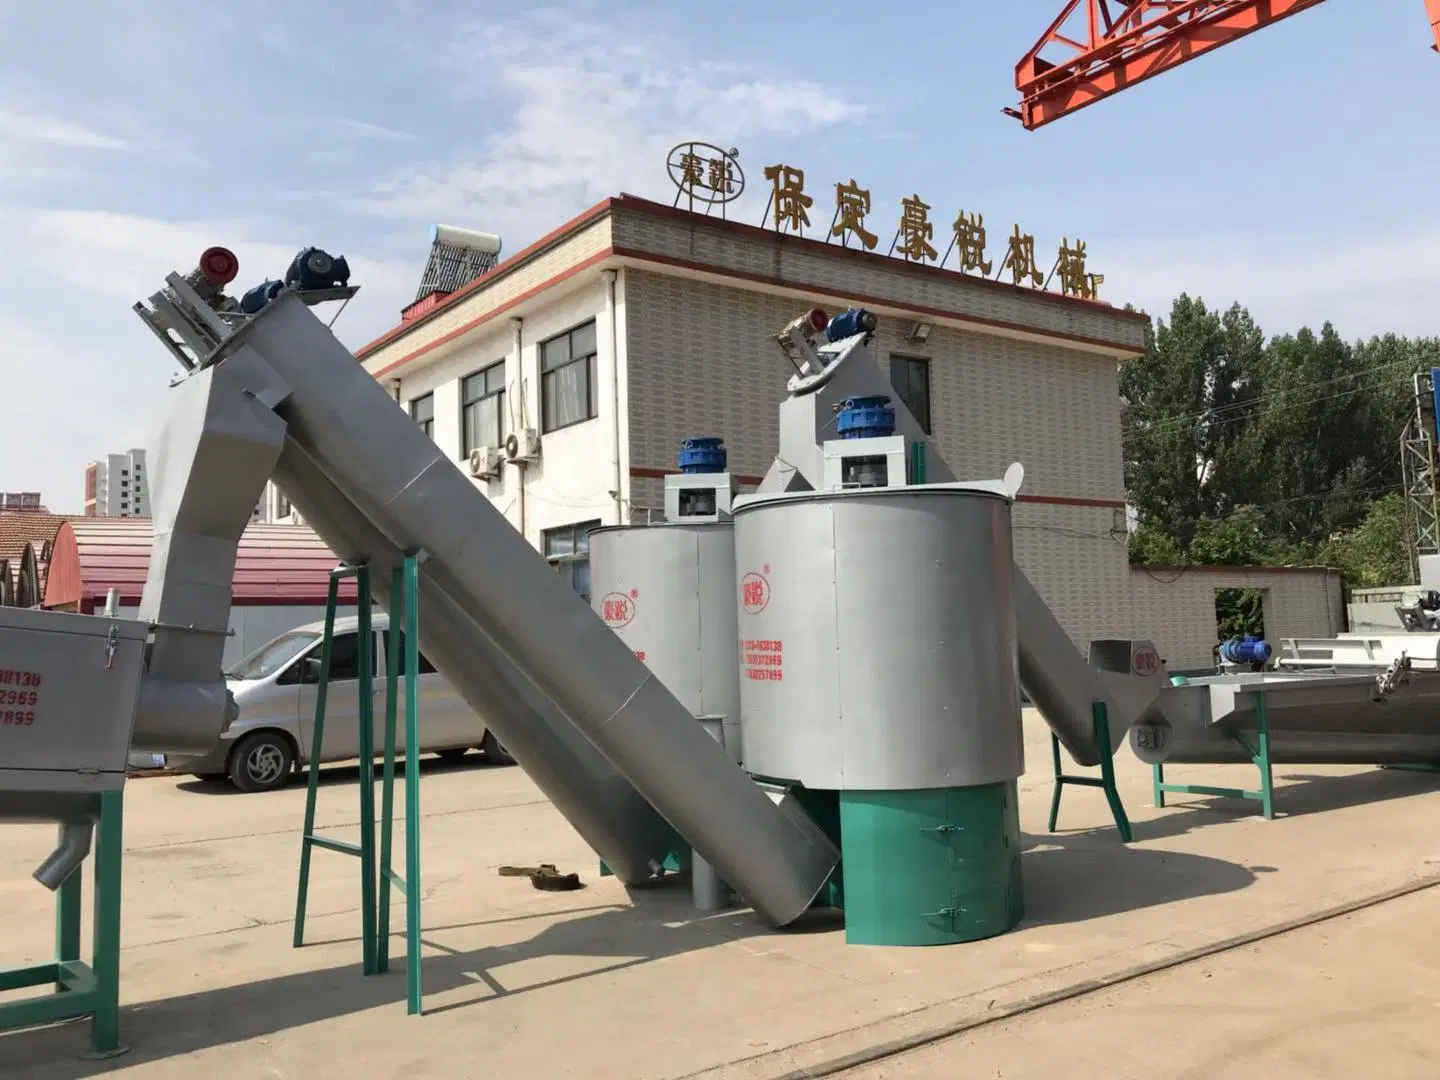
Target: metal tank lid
x: 990, y: 489
x: 663, y: 525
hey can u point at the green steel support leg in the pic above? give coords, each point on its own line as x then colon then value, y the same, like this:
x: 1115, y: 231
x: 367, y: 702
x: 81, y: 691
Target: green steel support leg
x: 81, y: 990
x: 366, y: 654
x: 105, y: 1021
x: 1107, y: 770
x: 387, y: 782
x: 1059, y: 781
x: 404, y: 611
x: 1105, y: 781
x: 412, y: 786
x: 365, y: 850
x: 1157, y: 778
x: 307, y: 830
x: 68, y: 904
x: 1259, y: 755
x: 1262, y: 757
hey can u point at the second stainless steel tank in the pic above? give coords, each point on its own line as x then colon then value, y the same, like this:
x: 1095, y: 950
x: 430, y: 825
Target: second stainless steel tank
x: 877, y: 638
x: 668, y: 591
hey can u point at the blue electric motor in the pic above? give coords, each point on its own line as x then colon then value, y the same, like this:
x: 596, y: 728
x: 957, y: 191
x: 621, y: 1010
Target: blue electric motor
x: 865, y: 418
x: 849, y: 323
x: 255, y: 299
x: 702, y: 454
x: 313, y: 268
x: 1245, y: 650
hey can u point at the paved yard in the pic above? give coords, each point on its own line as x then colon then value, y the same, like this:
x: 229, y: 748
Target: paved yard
x: 634, y: 986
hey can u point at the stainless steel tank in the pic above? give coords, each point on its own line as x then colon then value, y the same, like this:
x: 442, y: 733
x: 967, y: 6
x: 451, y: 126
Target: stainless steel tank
x: 878, y: 639
x: 668, y: 591
x: 1312, y: 720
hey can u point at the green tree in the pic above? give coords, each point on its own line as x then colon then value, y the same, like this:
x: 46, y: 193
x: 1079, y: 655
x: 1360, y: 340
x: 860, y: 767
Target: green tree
x: 1183, y: 406
x: 1239, y: 450
x: 1373, y: 553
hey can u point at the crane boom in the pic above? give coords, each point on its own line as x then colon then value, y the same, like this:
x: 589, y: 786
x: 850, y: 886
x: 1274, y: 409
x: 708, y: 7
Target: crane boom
x: 1097, y: 48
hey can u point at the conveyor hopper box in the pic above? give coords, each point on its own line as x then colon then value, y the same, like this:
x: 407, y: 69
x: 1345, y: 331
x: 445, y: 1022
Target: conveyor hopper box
x: 68, y: 689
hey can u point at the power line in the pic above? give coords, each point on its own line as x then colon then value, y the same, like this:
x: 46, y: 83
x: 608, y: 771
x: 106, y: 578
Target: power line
x: 1175, y: 422
x: 1151, y: 426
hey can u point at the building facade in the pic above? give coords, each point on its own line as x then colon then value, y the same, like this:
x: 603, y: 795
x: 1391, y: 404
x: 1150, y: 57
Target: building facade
x: 117, y: 486
x: 637, y: 325
x: 603, y: 345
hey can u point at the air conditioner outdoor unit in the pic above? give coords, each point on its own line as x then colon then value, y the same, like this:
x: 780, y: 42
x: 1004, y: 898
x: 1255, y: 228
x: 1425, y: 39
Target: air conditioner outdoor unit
x: 486, y: 462
x: 523, y: 445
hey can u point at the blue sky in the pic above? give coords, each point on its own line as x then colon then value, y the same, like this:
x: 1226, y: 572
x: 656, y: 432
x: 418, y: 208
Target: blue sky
x: 1293, y: 171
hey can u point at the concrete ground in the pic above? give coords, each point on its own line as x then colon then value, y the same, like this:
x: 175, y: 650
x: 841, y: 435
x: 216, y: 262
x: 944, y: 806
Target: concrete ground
x: 634, y: 986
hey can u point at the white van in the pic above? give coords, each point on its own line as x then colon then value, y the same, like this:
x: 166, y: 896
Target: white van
x: 275, y: 687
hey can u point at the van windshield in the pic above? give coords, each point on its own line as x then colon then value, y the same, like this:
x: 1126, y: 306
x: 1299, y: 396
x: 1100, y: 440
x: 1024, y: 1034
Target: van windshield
x: 272, y: 656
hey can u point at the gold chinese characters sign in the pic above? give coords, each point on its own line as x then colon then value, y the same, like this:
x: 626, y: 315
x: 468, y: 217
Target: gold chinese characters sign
x: 706, y: 175
x: 789, y: 205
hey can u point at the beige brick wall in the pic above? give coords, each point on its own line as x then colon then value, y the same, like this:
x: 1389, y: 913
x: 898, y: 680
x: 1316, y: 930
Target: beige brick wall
x: 701, y: 361
x: 1177, y: 607
x: 1075, y: 557
x: 775, y: 257
x: 496, y: 293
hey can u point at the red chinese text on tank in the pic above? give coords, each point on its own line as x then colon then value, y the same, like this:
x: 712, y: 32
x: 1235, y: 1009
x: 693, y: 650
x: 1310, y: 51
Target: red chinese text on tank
x: 762, y: 661
x: 754, y: 593
x: 617, y: 610
x: 1146, y: 661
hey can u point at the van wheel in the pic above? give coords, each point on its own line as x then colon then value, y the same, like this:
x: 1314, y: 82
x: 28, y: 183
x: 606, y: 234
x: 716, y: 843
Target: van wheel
x: 261, y: 762
x: 496, y: 752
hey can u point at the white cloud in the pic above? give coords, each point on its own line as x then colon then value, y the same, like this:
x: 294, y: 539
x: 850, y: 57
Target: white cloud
x: 94, y: 383
x: 1364, y: 286
x: 16, y: 127
x: 70, y: 402
x: 365, y: 130
x: 122, y: 258
x: 590, y: 107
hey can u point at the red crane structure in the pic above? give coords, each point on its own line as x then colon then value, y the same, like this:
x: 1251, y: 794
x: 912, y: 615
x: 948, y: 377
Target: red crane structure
x: 1099, y: 47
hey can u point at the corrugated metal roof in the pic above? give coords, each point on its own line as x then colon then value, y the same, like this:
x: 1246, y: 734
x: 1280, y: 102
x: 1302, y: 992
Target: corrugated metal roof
x: 34, y: 530
x: 275, y: 564
x: 19, y: 528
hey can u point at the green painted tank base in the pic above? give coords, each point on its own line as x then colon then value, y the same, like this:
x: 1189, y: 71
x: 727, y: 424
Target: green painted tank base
x: 932, y: 867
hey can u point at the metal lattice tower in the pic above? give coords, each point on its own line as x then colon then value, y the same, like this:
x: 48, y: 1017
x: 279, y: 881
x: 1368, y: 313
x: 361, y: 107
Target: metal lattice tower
x: 1417, y: 470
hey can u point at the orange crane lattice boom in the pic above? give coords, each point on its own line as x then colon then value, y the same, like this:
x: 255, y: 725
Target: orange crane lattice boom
x: 1100, y: 47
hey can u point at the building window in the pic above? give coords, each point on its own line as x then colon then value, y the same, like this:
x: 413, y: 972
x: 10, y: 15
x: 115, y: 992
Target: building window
x: 282, y: 505
x: 568, y: 374
x: 568, y: 550
x: 482, y: 408
x: 422, y: 411
x: 910, y: 376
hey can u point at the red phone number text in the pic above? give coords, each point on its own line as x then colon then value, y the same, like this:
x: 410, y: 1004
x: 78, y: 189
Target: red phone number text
x: 18, y: 697
x: 9, y: 677
x: 17, y: 718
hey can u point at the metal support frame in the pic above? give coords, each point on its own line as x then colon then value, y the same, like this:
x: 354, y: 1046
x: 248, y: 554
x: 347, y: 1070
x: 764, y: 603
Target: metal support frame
x: 81, y: 989
x: 404, y: 609
x: 1097, y: 48
x: 1105, y: 781
x: 1259, y: 757
x: 1417, y: 470
x: 374, y: 907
